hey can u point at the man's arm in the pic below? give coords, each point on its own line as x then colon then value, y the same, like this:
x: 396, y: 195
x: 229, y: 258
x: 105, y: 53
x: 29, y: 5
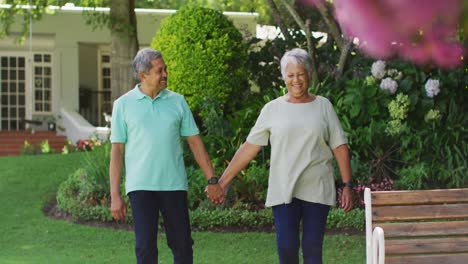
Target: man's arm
x: 118, y: 206
x: 342, y: 157
x: 215, y: 193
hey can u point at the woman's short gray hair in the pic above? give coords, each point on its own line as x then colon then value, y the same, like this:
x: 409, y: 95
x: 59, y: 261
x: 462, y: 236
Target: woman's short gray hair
x: 296, y: 56
x: 142, y: 61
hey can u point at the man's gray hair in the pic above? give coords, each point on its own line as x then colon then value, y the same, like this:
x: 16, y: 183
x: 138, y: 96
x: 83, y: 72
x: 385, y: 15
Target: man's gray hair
x: 142, y: 61
x: 296, y: 56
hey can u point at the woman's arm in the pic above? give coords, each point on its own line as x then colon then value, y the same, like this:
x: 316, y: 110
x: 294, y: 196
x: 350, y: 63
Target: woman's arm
x: 243, y: 156
x: 342, y: 157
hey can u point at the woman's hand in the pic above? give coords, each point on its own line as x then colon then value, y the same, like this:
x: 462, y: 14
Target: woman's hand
x: 347, y: 199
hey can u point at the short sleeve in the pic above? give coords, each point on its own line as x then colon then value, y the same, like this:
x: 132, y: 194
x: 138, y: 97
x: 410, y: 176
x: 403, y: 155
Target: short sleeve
x: 118, y: 124
x: 260, y: 132
x: 335, y: 131
x: 188, y: 126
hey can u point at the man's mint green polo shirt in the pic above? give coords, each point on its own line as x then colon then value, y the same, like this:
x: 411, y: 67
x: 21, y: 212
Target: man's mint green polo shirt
x: 151, y: 130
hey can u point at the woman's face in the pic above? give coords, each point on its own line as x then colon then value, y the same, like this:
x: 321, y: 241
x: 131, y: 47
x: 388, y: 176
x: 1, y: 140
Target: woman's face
x: 297, y: 80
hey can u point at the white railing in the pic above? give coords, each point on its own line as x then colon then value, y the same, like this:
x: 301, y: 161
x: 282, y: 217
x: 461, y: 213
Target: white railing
x: 75, y: 127
x: 375, y: 239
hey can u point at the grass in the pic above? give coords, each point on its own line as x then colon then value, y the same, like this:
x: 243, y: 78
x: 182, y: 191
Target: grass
x: 27, y: 236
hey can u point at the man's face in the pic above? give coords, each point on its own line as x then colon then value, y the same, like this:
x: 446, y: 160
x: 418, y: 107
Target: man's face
x: 156, y: 78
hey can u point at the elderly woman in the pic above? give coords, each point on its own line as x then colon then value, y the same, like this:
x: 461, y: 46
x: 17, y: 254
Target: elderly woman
x: 305, y: 134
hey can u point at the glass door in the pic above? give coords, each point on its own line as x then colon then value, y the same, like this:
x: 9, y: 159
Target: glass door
x: 12, y: 92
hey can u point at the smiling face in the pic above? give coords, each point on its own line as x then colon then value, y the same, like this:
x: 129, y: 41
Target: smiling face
x: 156, y: 78
x: 297, y: 81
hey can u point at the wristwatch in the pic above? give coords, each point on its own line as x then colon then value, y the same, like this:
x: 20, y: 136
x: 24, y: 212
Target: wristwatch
x: 213, y: 180
x: 348, y: 184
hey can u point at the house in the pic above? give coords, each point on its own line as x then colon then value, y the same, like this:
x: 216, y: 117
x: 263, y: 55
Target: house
x: 60, y: 78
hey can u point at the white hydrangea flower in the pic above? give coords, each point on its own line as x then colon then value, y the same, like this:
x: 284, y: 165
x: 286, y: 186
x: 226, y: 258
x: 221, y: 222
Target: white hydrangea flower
x: 389, y: 84
x: 432, y: 87
x: 378, y: 69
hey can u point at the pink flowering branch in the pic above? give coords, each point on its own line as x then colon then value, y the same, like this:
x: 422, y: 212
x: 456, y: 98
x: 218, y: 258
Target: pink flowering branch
x: 422, y: 31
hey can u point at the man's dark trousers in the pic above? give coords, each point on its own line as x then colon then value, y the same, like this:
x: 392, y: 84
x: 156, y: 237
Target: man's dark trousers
x: 146, y: 206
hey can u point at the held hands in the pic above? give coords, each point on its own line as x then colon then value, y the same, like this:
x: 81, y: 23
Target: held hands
x: 347, y: 199
x: 215, y: 193
x: 118, y: 208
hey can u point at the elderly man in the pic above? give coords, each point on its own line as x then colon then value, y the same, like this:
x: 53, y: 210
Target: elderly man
x: 147, y: 124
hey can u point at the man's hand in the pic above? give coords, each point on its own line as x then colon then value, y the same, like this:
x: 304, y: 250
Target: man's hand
x: 347, y: 199
x: 215, y: 193
x: 118, y: 208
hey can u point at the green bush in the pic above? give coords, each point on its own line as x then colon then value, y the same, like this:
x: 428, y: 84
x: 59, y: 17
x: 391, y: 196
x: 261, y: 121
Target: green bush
x: 204, y: 219
x: 27, y: 149
x: 242, y: 219
x: 205, y: 56
x: 339, y: 219
x: 86, y: 194
x: 83, y: 198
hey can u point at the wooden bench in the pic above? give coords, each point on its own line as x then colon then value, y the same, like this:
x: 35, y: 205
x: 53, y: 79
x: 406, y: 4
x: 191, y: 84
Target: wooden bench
x: 413, y: 227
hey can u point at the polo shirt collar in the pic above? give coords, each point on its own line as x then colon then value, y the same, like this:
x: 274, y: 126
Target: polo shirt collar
x: 138, y: 94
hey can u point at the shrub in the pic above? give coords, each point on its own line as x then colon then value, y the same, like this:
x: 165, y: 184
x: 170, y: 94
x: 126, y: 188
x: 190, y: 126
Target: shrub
x: 239, y: 218
x: 45, y: 147
x: 412, y: 132
x: 339, y: 219
x: 83, y: 198
x: 205, y: 56
x: 86, y: 194
x: 27, y: 149
x: 204, y: 219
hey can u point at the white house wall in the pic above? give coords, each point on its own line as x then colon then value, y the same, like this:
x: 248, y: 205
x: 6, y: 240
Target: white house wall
x: 66, y: 35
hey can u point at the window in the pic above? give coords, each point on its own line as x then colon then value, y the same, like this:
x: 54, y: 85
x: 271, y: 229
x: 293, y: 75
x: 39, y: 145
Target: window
x: 104, y: 93
x: 12, y: 92
x: 42, y: 82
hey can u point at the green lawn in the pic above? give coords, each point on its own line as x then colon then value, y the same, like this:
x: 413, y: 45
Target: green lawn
x: 27, y: 236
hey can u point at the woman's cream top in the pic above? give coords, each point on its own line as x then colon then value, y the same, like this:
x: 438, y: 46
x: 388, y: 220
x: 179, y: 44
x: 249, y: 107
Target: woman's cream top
x: 302, y: 137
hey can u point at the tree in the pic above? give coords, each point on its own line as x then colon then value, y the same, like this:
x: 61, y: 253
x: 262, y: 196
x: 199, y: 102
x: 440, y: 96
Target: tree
x: 124, y: 45
x: 308, y: 21
x: 426, y: 31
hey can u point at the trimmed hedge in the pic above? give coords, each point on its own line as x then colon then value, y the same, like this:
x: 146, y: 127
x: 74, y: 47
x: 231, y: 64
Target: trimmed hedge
x: 205, y: 56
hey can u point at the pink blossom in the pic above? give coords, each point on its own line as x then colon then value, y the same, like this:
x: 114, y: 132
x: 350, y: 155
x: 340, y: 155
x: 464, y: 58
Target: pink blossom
x: 422, y: 31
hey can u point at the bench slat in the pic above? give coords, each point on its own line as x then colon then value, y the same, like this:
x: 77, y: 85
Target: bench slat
x: 429, y: 259
x: 419, y: 212
x: 430, y: 245
x: 419, y: 197
x: 424, y: 229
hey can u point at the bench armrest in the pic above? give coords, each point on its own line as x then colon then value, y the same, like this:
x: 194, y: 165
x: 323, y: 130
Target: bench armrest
x: 378, y: 246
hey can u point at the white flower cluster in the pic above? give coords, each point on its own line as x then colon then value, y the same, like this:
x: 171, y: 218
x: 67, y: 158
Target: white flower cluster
x: 378, y: 69
x: 432, y: 88
x: 389, y: 84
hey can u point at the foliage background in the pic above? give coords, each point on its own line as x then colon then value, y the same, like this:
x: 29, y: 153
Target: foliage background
x: 424, y: 147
